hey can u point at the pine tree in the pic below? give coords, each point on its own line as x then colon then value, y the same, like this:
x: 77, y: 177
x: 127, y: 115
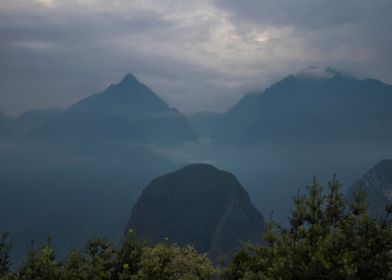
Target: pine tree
x: 128, y: 257
x: 5, y: 247
x: 75, y: 267
x: 40, y: 264
x: 328, y: 238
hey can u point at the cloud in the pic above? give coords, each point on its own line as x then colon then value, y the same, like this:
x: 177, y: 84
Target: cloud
x: 197, y: 55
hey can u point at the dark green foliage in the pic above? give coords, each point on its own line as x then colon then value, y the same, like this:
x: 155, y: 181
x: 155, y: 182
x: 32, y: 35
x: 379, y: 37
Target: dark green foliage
x: 100, y: 259
x: 128, y: 256
x: 327, y: 239
x: 40, y: 264
x: 133, y: 260
x: 5, y: 247
x: 75, y: 267
x: 166, y: 262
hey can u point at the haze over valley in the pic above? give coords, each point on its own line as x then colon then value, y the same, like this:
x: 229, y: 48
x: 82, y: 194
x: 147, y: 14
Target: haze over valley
x: 187, y: 123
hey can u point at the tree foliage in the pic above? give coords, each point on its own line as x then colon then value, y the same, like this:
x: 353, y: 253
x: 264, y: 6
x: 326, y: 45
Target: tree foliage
x: 101, y: 260
x: 328, y: 237
x: 5, y: 247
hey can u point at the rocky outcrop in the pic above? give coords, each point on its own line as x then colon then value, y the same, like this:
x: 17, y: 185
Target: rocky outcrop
x: 198, y: 205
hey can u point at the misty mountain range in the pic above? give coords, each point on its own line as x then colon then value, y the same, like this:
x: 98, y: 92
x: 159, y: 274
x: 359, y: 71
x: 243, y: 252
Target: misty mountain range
x: 23, y: 124
x: 126, y: 112
x: 78, y: 172
x: 334, y: 108
x: 306, y: 109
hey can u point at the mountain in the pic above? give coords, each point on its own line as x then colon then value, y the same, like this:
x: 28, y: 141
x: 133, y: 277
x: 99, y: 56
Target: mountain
x: 128, y: 112
x: 377, y: 185
x: 72, y: 197
x: 323, y: 108
x: 23, y: 124
x: 4, y: 126
x: 77, y: 172
x: 33, y: 119
x: 199, y: 205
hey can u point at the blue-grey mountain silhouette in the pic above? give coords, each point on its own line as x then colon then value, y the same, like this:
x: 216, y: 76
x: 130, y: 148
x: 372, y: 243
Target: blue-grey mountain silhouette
x: 377, y: 185
x: 20, y: 126
x: 126, y: 112
x: 199, y: 205
x: 330, y: 108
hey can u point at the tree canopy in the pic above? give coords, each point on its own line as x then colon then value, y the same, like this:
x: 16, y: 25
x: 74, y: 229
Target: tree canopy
x: 328, y: 237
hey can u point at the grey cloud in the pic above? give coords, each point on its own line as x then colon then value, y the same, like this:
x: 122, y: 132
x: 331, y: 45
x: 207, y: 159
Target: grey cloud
x: 352, y: 34
x: 197, y: 55
x: 307, y: 13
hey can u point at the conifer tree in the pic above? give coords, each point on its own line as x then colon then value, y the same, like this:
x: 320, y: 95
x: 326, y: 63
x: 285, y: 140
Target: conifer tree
x: 328, y: 238
x: 5, y: 247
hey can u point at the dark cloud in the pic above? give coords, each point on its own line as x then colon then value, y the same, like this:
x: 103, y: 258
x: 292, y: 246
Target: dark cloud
x: 349, y: 34
x: 198, y: 55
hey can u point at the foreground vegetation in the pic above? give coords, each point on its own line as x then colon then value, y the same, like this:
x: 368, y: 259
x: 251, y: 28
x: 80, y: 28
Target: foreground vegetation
x: 328, y: 238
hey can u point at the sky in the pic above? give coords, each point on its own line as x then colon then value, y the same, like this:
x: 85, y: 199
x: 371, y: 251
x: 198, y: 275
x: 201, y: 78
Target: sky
x: 201, y: 55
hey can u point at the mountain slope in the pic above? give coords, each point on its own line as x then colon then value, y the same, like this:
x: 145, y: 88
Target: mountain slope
x: 198, y: 205
x: 23, y: 124
x: 126, y: 112
x: 69, y: 196
x: 4, y: 126
x: 377, y: 185
x: 308, y: 109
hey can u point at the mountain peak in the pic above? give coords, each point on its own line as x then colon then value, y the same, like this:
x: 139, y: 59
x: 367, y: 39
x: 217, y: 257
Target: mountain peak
x: 128, y: 82
x: 317, y: 72
x: 130, y: 104
x: 129, y: 78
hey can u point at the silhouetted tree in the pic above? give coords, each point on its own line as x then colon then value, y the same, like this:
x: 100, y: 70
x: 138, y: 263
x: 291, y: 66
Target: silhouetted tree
x: 40, y: 264
x: 328, y: 238
x: 5, y: 247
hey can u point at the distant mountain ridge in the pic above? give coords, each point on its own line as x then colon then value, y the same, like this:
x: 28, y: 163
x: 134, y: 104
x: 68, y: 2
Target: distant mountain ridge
x: 198, y: 205
x: 125, y: 112
x: 20, y: 126
x: 311, y: 109
x: 377, y: 185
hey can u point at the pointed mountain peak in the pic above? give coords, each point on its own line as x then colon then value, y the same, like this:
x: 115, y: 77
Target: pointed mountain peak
x: 128, y: 84
x: 129, y: 79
